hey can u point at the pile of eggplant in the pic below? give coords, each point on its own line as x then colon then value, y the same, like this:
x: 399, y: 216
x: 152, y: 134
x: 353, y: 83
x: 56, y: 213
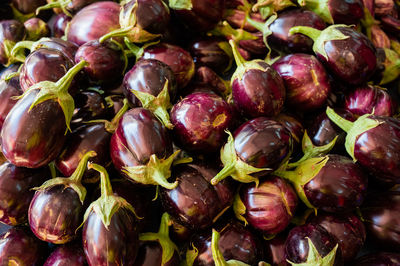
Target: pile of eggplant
x: 200, y: 132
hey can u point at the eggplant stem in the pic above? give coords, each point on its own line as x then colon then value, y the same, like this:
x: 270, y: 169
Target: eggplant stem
x: 238, y: 57
x: 80, y: 169
x: 64, y: 82
x: 112, y: 126
x: 219, y: 259
x: 160, y: 179
x: 115, y: 33
x: 344, y: 124
x: 224, y: 173
x: 308, y: 31
x: 106, y: 189
x: 288, y: 175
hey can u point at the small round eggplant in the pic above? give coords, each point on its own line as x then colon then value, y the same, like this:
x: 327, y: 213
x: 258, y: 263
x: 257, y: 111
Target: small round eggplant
x: 89, y: 105
x: 200, y: 120
x: 58, y: 24
x: 27, y: 6
x: 67, y: 255
x: 8, y: 90
x: 378, y: 259
x: 69, y: 7
x: 11, y: 32
x: 268, y: 207
x: 109, y: 232
x: 275, y: 250
x: 205, y: 76
x: 16, y: 193
x: 295, y: 127
x: 310, y: 244
x: 196, y: 203
x: 306, y: 81
x: 36, y: 29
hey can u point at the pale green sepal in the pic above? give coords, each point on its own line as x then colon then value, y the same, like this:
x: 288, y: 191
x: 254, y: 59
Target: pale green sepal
x: 239, y: 208
x: 224, y: 46
x: 157, y: 105
x: 136, y: 50
x: 344, y: 124
x: 168, y: 247
x: 18, y: 51
x: 61, y: 4
x: 392, y: 71
x: 320, y: 7
x: 267, y: 7
x: 219, y: 259
x: 224, y: 29
x: 191, y: 255
x: 315, y: 259
x: 20, y: 16
x: 155, y: 172
x: 180, y: 4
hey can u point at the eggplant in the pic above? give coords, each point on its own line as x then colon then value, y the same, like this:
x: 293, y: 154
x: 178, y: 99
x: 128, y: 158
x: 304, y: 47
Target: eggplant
x: 195, y: 203
x: 89, y: 105
x: 348, y: 54
x: 306, y: 81
x: 16, y: 193
x: 11, y: 32
x: 206, y: 77
x: 275, y: 250
x: 379, y: 38
x: 268, y: 207
x: 199, y: 122
x: 260, y: 146
x: 67, y: 255
x: 69, y: 7
x: 36, y: 29
x: 109, y: 232
x: 8, y: 90
x: 27, y: 6
x: 58, y: 24
x: 294, y: 126
x: 383, y: 7
x: 378, y: 259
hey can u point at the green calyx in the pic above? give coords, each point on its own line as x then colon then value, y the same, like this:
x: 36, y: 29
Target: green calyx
x: 225, y: 30
x: 158, y: 105
x: 61, y: 4
x: 224, y: 46
x: 18, y: 50
x: 191, y: 255
x: 134, y: 50
x: 234, y: 166
x: 74, y: 181
x: 268, y: 7
x: 392, y: 69
x: 315, y: 259
x: 20, y: 16
x: 368, y: 21
x: 108, y: 204
x: 7, y: 47
x: 168, y: 247
x: 320, y: 7
x: 331, y: 33
x: 58, y: 91
x: 311, y: 151
x: 239, y: 208
x: 180, y: 4
x: 155, y: 172
x: 353, y: 129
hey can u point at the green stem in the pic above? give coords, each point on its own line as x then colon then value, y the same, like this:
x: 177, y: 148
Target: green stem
x: 288, y: 175
x: 344, y: 124
x: 163, y: 116
x: 116, y: 33
x: 160, y: 179
x: 112, y: 126
x: 224, y: 173
x: 64, y: 82
x: 134, y: 49
x: 238, y: 57
x: 16, y: 52
x: 106, y: 189
x: 308, y: 31
x: 164, y: 225
x: 256, y: 24
x: 219, y: 259
x: 80, y: 169
x: 62, y: 4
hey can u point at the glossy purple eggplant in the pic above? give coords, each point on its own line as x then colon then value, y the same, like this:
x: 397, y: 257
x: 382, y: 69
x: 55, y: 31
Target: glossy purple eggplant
x: 306, y: 81
x: 196, y: 203
x: 268, y: 207
x: 178, y: 59
x: 93, y: 21
x: 16, y: 193
x: 58, y: 24
x: 8, y: 90
x: 205, y: 76
x: 378, y: 259
x: 200, y: 120
x: 313, y: 245
x: 295, y: 127
x: 150, y: 254
x: 384, y: 7
x: 27, y: 6
x: 275, y: 250
x: 89, y: 105
x: 36, y: 29
x: 67, y: 255
x: 19, y: 246
x: 68, y: 7
x: 11, y: 32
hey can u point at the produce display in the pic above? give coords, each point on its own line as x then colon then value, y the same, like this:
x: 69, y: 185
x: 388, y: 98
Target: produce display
x: 200, y: 132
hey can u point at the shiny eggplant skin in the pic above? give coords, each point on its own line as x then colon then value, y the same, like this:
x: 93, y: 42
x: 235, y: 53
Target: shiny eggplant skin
x: 178, y: 59
x: 26, y: 141
x: 93, y: 21
x: 270, y: 206
x: 58, y: 24
x: 297, y: 43
x: 67, y: 255
x: 346, y: 12
x: 275, y: 251
x: 294, y: 125
x: 378, y: 259
x: 150, y: 254
x: 89, y: 105
x: 149, y: 76
x: 68, y: 49
x: 259, y: 92
x: 10, y: 31
x: 196, y: 203
x: 18, y: 246
x: 200, y: 120
x: 16, y: 192
x: 27, y: 6
x: 306, y: 81
x: 8, y: 90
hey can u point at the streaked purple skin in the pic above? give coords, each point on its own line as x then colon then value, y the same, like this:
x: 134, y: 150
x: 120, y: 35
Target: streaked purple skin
x: 68, y: 49
x: 295, y: 127
x: 150, y: 254
x: 75, y: 5
x: 178, y: 59
x: 8, y: 89
x: 28, y: 6
x: 236, y: 243
x: 205, y: 76
x: 237, y: 17
x: 149, y: 76
x: 203, y: 16
x: 255, y: 47
x: 200, y: 120
x: 370, y: 99
x: 360, y: 54
x: 195, y: 203
x: 263, y: 143
x: 58, y: 24
x: 207, y: 52
x: 297, y: 43
x: 381, y: 213
x: 15, y: 191
x: 36, y: 29
x: 8, y: 70
x: 346, y: 12
x: 94, y: 21
x: 270, y: 206
x: 139, y: 135
x: 116, y: 245
x: 259, y: 92
x: 306, y: 81
x: 296, y: 245
x: 340, y: 186
x: 26, y: 141
x: 378, y: 259
x: 89, y: 105
x: 275, y: 251
x: 67, y: 255
x: 10, y: 30
x: 20, y: 247
x: 378, y: 149
x: 106, y: 62
x: 348, y: 230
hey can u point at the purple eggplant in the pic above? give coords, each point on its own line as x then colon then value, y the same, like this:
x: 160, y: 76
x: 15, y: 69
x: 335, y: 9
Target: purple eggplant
x: 69, y: 7
x: 373, y: 141
x: 11, y: 32
x: 294, y: 126
x: 67, y: 255
x: 16, y: 193
x: 305, y: 79
x: 109, y: 232
x: 195, y: 203
x: 268, y: 207
x: 199, y: 121
x: 379, y: 38
x: 205, y: 76
x: 258, y: 146
x: 36, y: 29
x: 27, y: 6
x: 346, y: 53
x: 383, y: 7
x: 275, y: 250
x: 19, y: 246
x: 178, y: 59
x: 8, y: 90
x: 311, y: 244
x: 93, y: 21
x: 89, y: 105
x: 378, y: 259
x: 370, y: 99
x: 58, y: 23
